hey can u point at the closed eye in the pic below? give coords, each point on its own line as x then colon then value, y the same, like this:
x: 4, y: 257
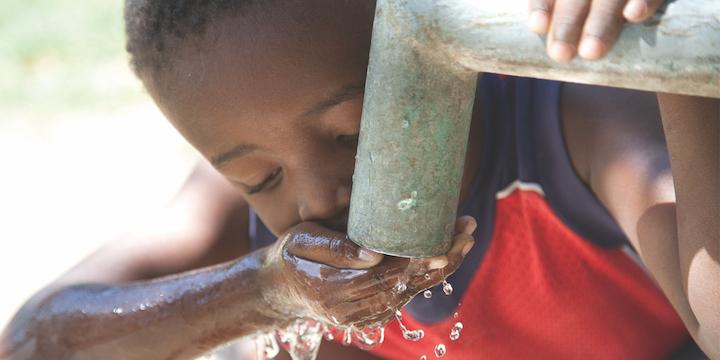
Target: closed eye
x: 271, y: 181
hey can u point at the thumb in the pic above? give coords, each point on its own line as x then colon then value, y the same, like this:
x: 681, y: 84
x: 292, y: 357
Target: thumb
x: 313, y: 242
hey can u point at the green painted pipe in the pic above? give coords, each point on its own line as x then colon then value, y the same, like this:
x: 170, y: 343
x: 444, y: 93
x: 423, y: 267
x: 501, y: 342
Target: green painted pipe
x: 424, y: 60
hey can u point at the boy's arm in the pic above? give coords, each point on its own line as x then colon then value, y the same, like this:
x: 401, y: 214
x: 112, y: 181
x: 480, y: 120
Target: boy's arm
x: 181, y: 316
x: 692, y: 132
x: 616, y: 143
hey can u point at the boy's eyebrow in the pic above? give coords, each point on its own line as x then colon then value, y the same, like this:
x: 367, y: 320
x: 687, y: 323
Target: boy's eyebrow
x: 348, y: 92
x: 237, y: 151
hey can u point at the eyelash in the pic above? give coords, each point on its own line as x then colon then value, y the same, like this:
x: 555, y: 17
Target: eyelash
x: 265, y: 183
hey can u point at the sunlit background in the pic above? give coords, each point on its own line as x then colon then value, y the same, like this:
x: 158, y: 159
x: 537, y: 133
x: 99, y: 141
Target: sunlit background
x: 84, y: 154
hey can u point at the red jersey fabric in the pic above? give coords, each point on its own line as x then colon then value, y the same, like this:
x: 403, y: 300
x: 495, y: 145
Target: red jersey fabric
x: 542, y: 292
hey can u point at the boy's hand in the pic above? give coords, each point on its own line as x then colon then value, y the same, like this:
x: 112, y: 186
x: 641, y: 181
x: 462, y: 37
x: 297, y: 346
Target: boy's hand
x: 317, y: 273
x: 585, y: 27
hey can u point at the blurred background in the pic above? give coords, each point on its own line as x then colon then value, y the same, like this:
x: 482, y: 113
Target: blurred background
x: 84, y: 153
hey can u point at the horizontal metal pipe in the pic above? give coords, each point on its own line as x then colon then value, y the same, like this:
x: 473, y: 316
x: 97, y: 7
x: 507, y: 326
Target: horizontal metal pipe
x: 676, y: 51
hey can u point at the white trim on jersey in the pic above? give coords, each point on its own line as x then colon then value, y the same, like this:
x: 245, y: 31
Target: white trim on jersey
x: 523, y: 186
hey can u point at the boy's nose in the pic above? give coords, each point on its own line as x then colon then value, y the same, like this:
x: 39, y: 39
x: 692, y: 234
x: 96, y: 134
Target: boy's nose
x: 323, y: 204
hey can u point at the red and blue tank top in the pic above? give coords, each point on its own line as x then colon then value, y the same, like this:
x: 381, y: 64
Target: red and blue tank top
x: 550, y: 275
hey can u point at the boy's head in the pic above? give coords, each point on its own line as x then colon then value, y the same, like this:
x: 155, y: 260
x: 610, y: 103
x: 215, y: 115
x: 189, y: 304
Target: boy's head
x: 269, y: 91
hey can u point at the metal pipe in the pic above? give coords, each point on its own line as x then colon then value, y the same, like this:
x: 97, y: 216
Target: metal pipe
x: 424, y: 58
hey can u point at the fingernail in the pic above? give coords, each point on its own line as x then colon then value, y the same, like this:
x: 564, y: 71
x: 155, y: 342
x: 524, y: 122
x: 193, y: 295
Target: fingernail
x: 538, y: 22
x: 561, y: 52
x: 470, y: 227
x: 367, y: 255
x: 635, y: 9
x: 591, y: 48
x: 437, y: 264
x: 467, y: 248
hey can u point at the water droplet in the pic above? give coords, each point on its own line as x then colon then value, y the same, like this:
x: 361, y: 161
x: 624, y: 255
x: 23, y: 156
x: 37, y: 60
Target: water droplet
x: 369, y: 337
x: 270, y: 346
x: 455, y: 332
x: 400, y: 287
x: 455, y: 315
x: 447, y: 288
x: 117, y: 311
x: 423, y: 357
x: 398, y: 315
x: 427, y: 294
x: 414, y: 335
x: 329, y: 336
x: 427, y: 276
x: 405, y: 124
x: 440, y: 350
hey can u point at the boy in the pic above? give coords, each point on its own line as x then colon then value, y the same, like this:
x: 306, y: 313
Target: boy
x: 271, y: 94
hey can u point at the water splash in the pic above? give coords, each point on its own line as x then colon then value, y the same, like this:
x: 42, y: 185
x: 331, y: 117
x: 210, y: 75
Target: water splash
x: 267, y: 346
x: 367, y: 338
x: 447, y: 288
x: 400, y: 287
x: 412, y: 335
x: 440, y: 350
x: 427, y: 294
x: 301, y: 339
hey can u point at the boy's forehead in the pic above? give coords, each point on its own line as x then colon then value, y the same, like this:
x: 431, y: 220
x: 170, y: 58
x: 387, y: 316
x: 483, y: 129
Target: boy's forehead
x: 250, y: 67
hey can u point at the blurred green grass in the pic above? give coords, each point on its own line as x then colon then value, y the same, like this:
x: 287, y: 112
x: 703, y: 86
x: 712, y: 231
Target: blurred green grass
x: 60, y: 56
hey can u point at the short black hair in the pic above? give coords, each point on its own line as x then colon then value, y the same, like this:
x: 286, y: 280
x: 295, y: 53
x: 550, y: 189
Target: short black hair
x: 153, y: 27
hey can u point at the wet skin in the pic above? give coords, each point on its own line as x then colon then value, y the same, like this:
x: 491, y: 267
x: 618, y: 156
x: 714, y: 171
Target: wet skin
x: 279, y: 117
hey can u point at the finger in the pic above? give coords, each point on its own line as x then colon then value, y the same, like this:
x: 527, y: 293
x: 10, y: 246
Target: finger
x: 461, y: 247
x: 465, y: 224
x: 601, y: 28
x: 313, y: 242
x: 640, y: 10
x: 565, y: 29
x: 539, y: 12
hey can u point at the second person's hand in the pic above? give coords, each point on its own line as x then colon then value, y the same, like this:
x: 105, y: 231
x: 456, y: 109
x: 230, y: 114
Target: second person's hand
x: 588, y: 28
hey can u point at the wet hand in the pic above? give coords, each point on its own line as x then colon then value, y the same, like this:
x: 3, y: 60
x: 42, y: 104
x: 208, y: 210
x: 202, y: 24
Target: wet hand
x: 588, y: 28
x: 317, y: 273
